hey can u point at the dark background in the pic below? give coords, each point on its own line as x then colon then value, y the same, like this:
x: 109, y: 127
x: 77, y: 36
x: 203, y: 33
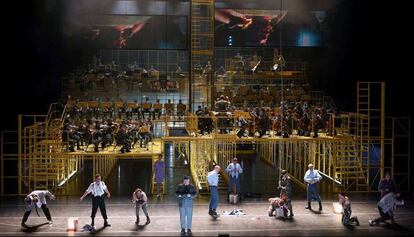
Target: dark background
x: 370, y: 42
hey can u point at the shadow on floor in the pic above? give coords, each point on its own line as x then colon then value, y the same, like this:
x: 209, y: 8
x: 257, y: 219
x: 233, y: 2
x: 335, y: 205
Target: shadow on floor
x: 140, y: 227
x: 315, y: 211
x: 97, y: 231
x: 397, y: 227
x: 34, y: 228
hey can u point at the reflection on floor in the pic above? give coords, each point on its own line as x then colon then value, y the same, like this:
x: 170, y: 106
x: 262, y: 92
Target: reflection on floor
x: 175, y: 169
x: 165, y: 219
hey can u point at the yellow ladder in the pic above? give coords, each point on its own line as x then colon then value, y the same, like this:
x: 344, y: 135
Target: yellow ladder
x: 202, y: 53
x: 371, y: 103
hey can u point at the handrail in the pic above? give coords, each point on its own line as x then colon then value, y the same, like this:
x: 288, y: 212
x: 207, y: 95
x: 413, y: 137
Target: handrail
x: 191, y: 121
x: 49, y: 111
x: 298, y: 182
x: 62, y: 117
x: 55, y: 112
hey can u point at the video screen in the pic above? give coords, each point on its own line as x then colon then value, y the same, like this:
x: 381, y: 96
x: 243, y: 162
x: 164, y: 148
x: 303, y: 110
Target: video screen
x: 131, y: 31
x: 246, y: 27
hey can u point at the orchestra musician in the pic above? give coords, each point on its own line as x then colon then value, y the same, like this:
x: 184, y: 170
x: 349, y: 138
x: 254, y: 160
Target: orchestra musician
x: 264, y: 122
x: 304, y: 124
x: 278, y: 61
x: 123, y: 138
x: 222, y: 106
x: 143, y: 135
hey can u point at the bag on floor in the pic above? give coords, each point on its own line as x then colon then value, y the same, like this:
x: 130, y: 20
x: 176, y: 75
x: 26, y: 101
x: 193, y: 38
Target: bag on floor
x: 233, y: 198
x: 280, y: 212
x: 87, y: 228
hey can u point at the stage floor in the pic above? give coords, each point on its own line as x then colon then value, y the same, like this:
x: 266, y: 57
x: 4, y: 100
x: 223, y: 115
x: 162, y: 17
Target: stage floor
x: 165, y: 219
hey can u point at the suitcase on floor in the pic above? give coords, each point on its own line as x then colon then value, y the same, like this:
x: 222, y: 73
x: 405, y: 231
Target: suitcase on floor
x: 233, y: 198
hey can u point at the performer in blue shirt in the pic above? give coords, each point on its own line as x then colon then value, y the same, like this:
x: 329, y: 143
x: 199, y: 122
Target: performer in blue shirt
x: 312, y: 178
x: 212, y: 179
x: 234, y: 170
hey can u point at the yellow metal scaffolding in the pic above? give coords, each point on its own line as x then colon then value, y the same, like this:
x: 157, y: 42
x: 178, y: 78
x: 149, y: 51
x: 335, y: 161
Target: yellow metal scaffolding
x: 202, y: 53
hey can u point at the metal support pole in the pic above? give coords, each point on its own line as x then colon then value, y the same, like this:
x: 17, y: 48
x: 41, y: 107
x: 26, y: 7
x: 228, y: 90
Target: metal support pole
x: 382, y: 127
x: 2, y: 163
x: 19, y: 162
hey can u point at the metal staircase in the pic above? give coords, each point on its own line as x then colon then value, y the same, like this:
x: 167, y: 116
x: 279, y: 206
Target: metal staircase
x: 348, y: 166
x: 45, y: 164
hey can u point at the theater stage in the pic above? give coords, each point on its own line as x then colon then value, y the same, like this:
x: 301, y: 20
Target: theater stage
x: 165, y: 219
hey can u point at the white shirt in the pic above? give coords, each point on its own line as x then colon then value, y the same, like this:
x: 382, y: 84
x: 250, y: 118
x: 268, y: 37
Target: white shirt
x: 212, y: 178
x: 97, y: 189
x: 312, y: 177
x: 42, y: 196
x: 234, y: 170
x: 144, y: 198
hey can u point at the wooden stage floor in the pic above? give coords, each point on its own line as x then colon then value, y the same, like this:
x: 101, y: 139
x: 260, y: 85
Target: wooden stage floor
x: 165, y: 219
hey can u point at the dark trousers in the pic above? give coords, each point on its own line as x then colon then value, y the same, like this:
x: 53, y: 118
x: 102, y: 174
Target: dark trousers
x: 233, y: 181
x: 384, y: 216
x: 98, y: 202
x: 289, y: 205
x: 156, y: 112
x: 45, y: 211
x: 347, y: 219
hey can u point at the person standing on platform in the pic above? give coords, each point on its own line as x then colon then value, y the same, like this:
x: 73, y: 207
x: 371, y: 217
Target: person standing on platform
x: 212, y: 179
x: 386, y: 185
x: 386, y: 208
x: 159, y: 167
x: 347, y: 220
x: 185, y: 193
x: 312, y: 178
x: 139, y: 198
x: 97, y: 189
x: 285, y: 187
x: 234, y: 170
x: 37, y: 199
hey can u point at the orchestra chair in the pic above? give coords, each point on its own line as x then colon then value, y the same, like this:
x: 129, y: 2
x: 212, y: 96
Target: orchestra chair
x: 181, y: 108
x: 169, y: 108
x: 146, y: 109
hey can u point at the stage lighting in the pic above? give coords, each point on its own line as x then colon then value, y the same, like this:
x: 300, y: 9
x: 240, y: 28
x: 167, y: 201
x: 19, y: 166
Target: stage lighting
x: 230, y: 40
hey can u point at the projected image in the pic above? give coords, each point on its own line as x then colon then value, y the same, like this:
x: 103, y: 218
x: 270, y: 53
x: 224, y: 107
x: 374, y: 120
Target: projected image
x: 244, y: 27
x: 126, y: 31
